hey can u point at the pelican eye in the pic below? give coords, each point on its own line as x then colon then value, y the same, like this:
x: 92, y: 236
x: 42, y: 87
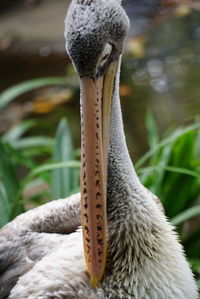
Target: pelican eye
x: 103, y: 60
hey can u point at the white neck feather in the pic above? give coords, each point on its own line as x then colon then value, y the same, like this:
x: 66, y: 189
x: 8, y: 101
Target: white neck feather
x: 145, y: 255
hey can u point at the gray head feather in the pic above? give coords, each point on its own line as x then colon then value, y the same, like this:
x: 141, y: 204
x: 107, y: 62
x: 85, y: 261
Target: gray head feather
x: 89, y: 25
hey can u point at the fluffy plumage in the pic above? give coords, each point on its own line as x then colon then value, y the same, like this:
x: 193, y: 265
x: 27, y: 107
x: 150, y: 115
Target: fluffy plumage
x: 89, y: 25
x: 41, y: 251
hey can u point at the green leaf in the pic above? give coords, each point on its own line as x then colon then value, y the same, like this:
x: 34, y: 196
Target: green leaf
x: 195, y: 264
x: 186, y: 215
x: 9, y: 178
x: 198, y: 283
x: 52, y: 166
x: 39, y: 171
x: 62, y: 179
x: 32, y: 142
x: 11, y: 93
x: 17, y: 131
x: 31, y: 152
x: 170, y: 139
x: 191, y: 243
x: 151, y: 130
x: 162, y: 164
x: 4, y: 205
x: 170, y: 169
x: 77, y: 153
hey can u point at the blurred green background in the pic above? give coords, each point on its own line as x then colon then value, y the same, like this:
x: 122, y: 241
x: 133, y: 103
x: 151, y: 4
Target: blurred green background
x: 160, y: 95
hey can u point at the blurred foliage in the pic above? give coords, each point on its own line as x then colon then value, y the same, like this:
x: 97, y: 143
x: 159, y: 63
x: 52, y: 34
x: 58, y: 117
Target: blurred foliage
x: 172, y: 172
x: 21, y: 155
x: 170, y: 169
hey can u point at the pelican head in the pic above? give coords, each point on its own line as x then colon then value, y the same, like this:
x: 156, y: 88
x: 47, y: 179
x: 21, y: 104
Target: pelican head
x: 95, y: 31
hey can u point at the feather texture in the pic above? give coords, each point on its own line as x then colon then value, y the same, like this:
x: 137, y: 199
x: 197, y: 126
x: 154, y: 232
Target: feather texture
x: 41, y: 251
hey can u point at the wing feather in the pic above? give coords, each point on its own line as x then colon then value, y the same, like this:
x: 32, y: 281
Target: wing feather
x: 34, y: 235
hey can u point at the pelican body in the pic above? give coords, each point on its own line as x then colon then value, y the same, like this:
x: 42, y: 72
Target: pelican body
x: 112, y: 240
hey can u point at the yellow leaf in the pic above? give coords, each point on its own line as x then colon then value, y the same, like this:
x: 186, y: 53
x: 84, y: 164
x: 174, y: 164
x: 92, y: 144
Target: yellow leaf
x: 136, y: 46
x: 182, y: 10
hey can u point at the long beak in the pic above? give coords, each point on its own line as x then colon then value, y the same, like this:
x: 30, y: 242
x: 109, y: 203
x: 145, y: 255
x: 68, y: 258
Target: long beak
x: 96, y: 96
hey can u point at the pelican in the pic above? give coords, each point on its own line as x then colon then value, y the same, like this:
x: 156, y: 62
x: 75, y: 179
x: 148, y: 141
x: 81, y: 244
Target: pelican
x: 126, y: 248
